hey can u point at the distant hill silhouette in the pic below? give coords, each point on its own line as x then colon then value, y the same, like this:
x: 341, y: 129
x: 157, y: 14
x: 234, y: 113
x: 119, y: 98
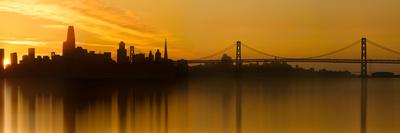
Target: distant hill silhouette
x: 274, y: 69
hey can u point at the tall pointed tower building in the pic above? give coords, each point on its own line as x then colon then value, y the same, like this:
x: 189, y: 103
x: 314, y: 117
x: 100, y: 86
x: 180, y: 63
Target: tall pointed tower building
x: 165, y: 51
x: 69, y: 44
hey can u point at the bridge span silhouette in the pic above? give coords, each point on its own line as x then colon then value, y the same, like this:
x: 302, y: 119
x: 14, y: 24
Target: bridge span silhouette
x: 347, y: 61
x: 363, y: 60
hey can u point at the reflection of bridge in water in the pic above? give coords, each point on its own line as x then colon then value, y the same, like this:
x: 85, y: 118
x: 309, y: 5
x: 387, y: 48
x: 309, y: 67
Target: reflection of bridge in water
x: 313, y: 59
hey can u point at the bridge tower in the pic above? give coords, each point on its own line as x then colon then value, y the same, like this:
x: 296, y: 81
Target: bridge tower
x: 238, y: 54
x: 364, y: 90
x: 364, y: 64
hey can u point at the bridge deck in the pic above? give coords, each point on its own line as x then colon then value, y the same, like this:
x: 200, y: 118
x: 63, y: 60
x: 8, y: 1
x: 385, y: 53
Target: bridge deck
x: 376, y: 61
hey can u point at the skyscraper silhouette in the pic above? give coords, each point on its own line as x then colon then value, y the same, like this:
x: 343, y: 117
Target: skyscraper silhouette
x: 165, y: 51
x: 31, y: 55
x: 131, y: 54
x: 122, y: 58
x: 14, y: 59
x: 158, y: 58
x: 69, y: 44
x: 151, y: 57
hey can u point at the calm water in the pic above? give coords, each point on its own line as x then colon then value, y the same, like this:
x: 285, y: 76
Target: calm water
x: 198, y: 105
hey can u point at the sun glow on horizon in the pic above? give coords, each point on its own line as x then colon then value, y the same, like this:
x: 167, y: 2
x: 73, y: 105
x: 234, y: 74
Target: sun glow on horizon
x: 6, y: 62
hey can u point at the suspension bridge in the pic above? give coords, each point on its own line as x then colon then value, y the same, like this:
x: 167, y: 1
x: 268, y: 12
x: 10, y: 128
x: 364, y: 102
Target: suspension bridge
x: 363, y: 61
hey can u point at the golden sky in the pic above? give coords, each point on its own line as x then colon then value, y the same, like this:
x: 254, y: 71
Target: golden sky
x: 197, y: 28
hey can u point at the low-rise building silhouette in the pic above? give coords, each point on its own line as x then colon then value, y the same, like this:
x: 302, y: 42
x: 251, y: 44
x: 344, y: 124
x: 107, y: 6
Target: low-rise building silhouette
x: 139, y: 59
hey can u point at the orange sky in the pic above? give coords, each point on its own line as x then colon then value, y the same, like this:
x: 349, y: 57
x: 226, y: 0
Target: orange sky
x: 196, y: 28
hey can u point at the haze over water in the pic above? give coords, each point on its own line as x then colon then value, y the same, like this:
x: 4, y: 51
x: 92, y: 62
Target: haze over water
x: 197, y: 105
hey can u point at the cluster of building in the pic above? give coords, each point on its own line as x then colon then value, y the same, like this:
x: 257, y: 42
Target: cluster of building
x: 71, y: 53
x: 123, y: 58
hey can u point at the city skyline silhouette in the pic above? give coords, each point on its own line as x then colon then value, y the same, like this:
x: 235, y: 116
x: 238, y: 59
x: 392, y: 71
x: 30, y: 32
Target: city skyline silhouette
x: 199, y: 66
x: 77, y: 62
x: 285, y: 28
x: 73, y: 55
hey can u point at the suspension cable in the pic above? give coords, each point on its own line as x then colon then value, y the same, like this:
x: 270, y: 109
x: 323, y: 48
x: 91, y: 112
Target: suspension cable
x: 335, y: 51
x: 261, y: 52
x: 217, y: 53
x: 383, y: 47
x: 311, y: 57
x: 281, y: 57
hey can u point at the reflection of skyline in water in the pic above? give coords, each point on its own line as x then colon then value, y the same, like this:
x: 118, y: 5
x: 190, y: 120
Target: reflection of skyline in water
x: 198, y: 105
x: 43, y: 113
